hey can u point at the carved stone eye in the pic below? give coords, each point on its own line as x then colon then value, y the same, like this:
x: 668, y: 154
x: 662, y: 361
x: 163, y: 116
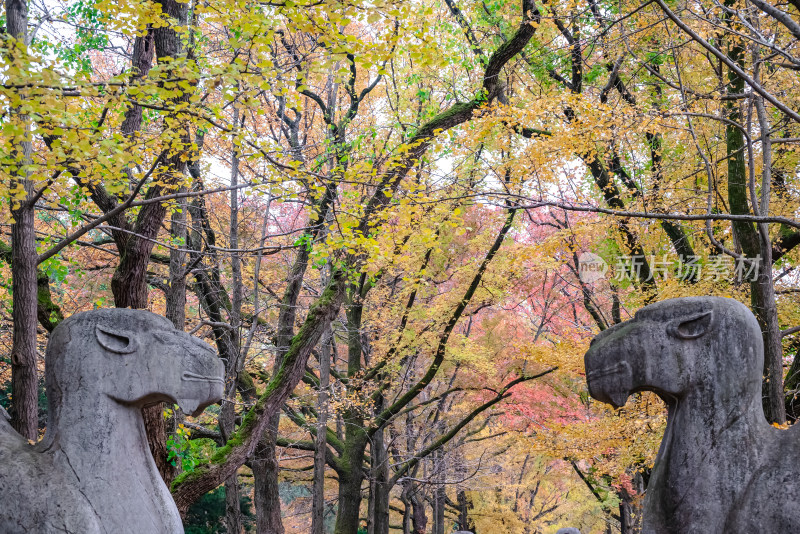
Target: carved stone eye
x: 115, y: 340
x: 691, y: 327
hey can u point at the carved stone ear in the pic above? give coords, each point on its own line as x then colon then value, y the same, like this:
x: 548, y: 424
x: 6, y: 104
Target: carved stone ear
x: 691, y: 327
x: 115, y: 340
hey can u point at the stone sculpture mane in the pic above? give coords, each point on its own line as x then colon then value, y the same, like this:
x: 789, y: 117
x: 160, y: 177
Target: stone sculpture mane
x: 721, y: 467
x: 93, y: 472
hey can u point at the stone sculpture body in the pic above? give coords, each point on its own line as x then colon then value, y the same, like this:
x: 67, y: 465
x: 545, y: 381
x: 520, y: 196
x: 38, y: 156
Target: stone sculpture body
x: 93, y: 472
x: 721, y: 468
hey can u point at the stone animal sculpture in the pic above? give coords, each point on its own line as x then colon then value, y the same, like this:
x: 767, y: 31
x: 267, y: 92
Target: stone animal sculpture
x: 721, y: 468
x: 93, y: 472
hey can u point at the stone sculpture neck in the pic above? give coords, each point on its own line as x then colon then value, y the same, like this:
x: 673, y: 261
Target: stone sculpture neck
x: 120, y: 475
x: 702, y: 444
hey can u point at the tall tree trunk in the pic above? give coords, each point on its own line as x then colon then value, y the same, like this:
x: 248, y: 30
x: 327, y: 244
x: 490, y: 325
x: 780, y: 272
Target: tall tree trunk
x: 380, y: 481
x: 406, y: 511
x: 266, y: 498
x: 754, y: 245
x: 320, y: 441
x: 129, y: 282
x: 419, y: 518
x: 24, y: 379
x: 268, y: 507
x: 233, y: 517
x: 24, y: 376
x: 464, y: 506
x: 176, y: 292
x: 439, y: 496
x: 348, y: 516
x: 176, y: 304
x: 268, y: 513
x: 352, y: 475
x: 625, y: 513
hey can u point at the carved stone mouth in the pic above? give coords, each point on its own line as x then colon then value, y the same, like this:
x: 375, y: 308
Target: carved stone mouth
x: 612, y: 395
x: 617, y: 368
x: 192, y: 377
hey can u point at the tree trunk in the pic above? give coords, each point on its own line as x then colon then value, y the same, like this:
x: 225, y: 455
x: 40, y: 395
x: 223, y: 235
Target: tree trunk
x: 419, y: 519
x: 233, y: 519
x: 762, y: 292
x: 320, y: 442
x: 270, y: 519
x: 439, y: 496
x: 351, y: 475
x: 347, y: 519
x: 266, y: 498
x: 380, y: 484
x: 464, y: 505
x: 265, y: 480
x: 268, y: 507
x: 176, y: 292
x: 625, y: 513
x: 762, y: 298
x: 176, y: 308
x: 406, y: 511
x: 233, y: 516
x: 24, y: 379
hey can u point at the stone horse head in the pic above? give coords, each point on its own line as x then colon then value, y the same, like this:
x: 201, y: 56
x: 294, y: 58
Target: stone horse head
x: 720, y: 468
x: 93, y: 471
x: 677, y: 347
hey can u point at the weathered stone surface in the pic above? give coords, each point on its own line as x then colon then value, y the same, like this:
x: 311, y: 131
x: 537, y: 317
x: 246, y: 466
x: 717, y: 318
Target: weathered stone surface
x: 568, y: 530
x: 93, y: 472
x: 721, y: 467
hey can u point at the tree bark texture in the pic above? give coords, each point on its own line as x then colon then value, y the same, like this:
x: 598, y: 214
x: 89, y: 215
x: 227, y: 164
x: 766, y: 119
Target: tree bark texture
x: 141, y: 62
x: 176, y: 291
x: 24, y: 376
x: 266, y: 498
x: 464, y: 506
x: 270, y: 518
x: 233, y: 519
x: 233, y: 516
x: 381, y: 485
x: 351, y: 470
x: 419, y: 519
x: 320, y: 441
x: 439, y: 495
x: 762, y: 291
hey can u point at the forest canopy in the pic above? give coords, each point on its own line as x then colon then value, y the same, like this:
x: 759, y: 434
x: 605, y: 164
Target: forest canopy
x: 399, y: 223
